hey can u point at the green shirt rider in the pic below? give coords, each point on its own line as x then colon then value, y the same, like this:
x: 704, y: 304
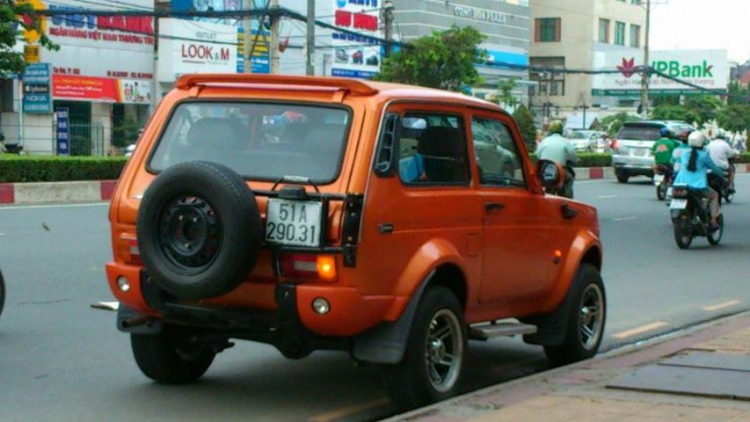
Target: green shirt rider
x: 662, y: 149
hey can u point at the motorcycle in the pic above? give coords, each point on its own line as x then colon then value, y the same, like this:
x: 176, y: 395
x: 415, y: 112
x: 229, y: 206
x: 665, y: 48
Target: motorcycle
x: 663, y: 178
x: 691, y: 217
x: 566, y: 189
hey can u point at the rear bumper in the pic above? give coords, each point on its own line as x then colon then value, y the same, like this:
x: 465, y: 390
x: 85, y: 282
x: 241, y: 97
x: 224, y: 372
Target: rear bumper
x: 633, y: 165
x: 350, y: 312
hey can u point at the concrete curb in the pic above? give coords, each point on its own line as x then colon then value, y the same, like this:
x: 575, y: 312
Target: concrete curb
x: 101, y: 190
x: 56, y: 192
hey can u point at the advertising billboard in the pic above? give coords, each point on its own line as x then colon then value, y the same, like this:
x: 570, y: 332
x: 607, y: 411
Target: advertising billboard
x: 356, y: 56
x: 708, y: 69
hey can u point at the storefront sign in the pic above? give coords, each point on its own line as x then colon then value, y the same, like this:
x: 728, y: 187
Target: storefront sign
x: 260, y: 59
x: 36, y: 89
x: 708, y: 69
x: 62, y: 134
x: 127, y: 91
x: 31, y: 53
x: 191, y: 47
x: 476, y: 13
x: 356, y: 56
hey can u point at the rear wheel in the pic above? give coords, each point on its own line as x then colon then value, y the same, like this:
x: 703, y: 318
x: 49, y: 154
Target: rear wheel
x: 585, y: 325
x: 683, y: 230
x: 435, y: 353
x: 622, y: 177
x: 715, y: 237
x: 661, y: 191
x: 171, y: 356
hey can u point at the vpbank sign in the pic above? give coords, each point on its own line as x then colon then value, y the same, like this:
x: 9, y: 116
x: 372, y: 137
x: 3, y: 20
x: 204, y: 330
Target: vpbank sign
x: 708, y: 69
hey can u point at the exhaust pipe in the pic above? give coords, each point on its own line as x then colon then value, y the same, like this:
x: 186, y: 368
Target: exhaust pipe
x: 134, y: 322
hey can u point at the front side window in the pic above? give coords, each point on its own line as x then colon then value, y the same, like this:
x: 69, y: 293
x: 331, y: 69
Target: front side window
x: 260, y: 141
x: 620, y: 33
x: 498, y: 159
x: 432, y: 150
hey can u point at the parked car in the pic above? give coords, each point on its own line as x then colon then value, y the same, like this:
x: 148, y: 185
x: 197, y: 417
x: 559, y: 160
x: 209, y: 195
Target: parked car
x: 587, y: 140
x: 632, y: 151
x: 376, y: 224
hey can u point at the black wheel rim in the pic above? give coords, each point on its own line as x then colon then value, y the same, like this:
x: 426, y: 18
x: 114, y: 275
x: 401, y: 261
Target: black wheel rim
x: 189, y: 232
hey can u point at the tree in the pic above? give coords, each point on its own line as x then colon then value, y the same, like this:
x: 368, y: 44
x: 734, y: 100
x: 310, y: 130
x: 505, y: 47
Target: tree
x: 675, y: 112
x: 735, y: 118
x: 18, y: 20
x: 613, y: 124
x: 525, y: 121
x: 705, y: 107
x: 443, y: 60
x: 738, y: 94
x: 662, y: 100
x: 506, y: 87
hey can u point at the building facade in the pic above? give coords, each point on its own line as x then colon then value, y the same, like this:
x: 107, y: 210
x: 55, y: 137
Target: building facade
x: 574, y: 34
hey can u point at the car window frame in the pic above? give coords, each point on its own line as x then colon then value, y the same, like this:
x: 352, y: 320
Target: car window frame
x: 342, y: 155
x: 407, y: 109
x: 520, y: 150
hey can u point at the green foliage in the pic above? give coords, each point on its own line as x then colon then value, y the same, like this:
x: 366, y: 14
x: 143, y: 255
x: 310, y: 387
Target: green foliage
x: 589, y: 160
x: 675, y: 112
x: 11, y: 31
x: 734, y: 118
x: 705, y: 107
x: 664, y: 100
x: 443, y: 60
x: 506, y: 87
x: 29, y: 168
x: 126, y: 133
x: 738, y: 94
x: 525, y: 121
x: 613, y: 124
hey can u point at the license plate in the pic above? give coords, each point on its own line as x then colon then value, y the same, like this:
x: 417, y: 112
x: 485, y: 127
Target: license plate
x: 639, y: 152
x: 658, y: 179
x: 678, y: 204
x: 293, y: 223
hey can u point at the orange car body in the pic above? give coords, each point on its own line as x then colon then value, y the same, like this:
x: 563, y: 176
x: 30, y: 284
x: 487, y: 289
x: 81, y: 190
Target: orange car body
x: 505, y: 252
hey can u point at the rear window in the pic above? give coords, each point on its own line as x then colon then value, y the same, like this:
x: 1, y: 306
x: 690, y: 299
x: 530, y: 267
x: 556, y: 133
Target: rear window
x: 257, y: 140
x: 640, y: 133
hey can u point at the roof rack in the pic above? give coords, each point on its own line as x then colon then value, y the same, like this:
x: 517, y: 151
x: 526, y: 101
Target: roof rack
x: 352, y: 85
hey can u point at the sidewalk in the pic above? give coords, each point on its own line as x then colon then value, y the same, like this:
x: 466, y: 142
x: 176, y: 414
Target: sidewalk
x: 700, y: 375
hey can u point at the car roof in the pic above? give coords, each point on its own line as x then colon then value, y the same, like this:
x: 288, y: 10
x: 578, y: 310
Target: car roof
x: 384, y: 91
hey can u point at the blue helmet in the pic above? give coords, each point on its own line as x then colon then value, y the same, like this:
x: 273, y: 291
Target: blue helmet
x: 665, y: 132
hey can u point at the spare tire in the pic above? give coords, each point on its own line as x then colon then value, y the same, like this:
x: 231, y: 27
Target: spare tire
x: 199, y: 230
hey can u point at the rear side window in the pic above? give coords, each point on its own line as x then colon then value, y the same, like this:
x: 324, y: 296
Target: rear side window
x: 258, y: 141
x: 433, y: 150
x: 640, y: 133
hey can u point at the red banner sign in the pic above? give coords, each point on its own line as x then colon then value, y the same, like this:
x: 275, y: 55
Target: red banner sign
x: 85, y: 88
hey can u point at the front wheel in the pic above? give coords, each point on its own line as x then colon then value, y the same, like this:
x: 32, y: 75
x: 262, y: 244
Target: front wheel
x: 171, y: 356
x: 435, y: 353
x: 683, y: 230
x: 585, y: 326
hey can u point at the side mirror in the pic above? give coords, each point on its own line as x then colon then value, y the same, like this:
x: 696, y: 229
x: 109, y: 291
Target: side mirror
x: 550, y: 174
x: 387, y: 153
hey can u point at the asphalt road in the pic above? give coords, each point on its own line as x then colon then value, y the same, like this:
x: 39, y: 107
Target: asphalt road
x: 60, y: 360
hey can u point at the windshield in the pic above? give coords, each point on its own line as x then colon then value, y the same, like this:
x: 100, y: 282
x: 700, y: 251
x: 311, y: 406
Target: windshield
x: 640, y: 133
x: 579, y: 135
x: 258, y: 141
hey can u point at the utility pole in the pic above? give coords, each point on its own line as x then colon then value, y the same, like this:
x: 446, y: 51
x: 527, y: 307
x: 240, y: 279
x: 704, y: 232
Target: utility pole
x: 247, y: 5
x: 273, y: 49
x: 310, y: 37
x: 645, y: 75
x: 387, y: 16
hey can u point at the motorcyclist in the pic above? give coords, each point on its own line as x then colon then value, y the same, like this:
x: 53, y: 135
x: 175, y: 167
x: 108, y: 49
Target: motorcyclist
x: 721, y: 152
x: 693, y: 173
x: 558, y: 149
x: 682, y: 147
x: 662, y: 151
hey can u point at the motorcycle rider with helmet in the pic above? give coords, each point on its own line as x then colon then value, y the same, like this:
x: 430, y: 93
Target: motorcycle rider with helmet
x: 694, y: 166
x: 662, y: 152
x: 558, y: 149
x: 721, y: 153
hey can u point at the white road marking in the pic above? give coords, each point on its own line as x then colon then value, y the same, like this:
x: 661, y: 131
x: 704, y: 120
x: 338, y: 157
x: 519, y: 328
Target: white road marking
x: 31, y: 207
x: 625, y: 218
x: 639, y: 330
x: 348, y: 410
x: 607, y: 196
x: 719, y: 306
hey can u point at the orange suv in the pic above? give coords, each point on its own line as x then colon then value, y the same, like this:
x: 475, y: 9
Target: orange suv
x: 391, y: 222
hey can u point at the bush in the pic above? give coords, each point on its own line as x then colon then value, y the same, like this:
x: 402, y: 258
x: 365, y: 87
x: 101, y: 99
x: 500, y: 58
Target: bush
x: 589, y: 160
x: 16, y: 169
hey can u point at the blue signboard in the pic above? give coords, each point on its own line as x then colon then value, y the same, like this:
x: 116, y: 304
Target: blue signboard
x: 37, y: 88
x: 63, y: 131
x: 261, y: 59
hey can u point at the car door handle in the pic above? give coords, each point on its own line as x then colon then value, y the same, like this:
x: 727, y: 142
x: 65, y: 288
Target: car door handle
x: 493, y: 206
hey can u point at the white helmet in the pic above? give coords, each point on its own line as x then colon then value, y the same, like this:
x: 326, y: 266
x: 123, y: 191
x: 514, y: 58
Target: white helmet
x: 697, y: 139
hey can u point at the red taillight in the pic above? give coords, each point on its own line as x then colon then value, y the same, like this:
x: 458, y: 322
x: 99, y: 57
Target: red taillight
x: 135, y: 253
x: 309, y: 266
x: 615, y: 147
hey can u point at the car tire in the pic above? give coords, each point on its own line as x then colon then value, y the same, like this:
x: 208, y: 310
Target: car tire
x: 2, y: 292
x: 426, y: 375
x: 587, y: 315
x: 622, y: 177
x: 199, y: 230
x: 169, y: 357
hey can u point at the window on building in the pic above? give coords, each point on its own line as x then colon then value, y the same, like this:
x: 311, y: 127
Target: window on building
x: 635, y: 1
x: 604, y: 30
x: 635, y: 36
x: 547, y: 30
x: 620, y: 33
x: 549, y: 83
